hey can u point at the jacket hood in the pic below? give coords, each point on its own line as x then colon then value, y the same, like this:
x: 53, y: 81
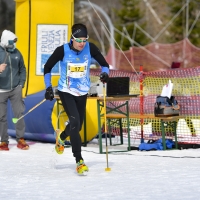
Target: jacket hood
x: 7, y: 35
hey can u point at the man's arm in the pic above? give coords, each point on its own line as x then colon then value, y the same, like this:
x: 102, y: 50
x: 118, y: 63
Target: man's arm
x: 57, y: 55
x: 96, y: 54
x: 22, y: 71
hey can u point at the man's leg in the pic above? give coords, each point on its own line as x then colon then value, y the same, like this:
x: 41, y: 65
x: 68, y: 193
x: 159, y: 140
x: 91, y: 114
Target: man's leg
x: 3, y: 117
x: 18, y: 108
x: 81, y: 106
x: 69, y: 104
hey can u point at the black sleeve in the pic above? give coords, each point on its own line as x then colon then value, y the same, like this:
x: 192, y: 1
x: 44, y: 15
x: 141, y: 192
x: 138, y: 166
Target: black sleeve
x: 96, y: 54
x: 57, y: 55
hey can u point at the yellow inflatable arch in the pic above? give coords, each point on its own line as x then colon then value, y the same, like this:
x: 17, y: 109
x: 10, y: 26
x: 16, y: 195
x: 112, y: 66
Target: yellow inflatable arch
x: 41, y: 26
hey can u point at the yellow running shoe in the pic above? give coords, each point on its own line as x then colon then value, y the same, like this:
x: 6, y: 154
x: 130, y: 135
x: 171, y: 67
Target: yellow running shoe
x: 81, y: 168
x: 59, y: 147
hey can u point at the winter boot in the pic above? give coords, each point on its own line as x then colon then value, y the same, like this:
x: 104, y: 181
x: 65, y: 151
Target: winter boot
x: 21, y: 144
x: 4, y: 146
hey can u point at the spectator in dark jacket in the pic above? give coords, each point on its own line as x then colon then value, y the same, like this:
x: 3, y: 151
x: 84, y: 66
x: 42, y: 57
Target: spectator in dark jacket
x: 12, y: 79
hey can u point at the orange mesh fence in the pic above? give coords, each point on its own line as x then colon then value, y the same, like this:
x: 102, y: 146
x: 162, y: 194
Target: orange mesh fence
x: 186, y: 90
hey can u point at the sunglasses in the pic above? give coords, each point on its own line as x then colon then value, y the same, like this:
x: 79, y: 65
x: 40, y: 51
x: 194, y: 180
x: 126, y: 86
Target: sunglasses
x: 80, y: 40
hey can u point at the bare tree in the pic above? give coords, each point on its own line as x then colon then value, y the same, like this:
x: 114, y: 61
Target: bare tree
x: 7, y: 16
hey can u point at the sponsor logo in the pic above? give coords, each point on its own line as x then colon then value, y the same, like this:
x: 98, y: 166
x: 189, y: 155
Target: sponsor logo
x: 85, y: 57
x: 77, y: 31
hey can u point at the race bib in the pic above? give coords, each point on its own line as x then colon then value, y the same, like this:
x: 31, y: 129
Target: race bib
x: 76, y: 70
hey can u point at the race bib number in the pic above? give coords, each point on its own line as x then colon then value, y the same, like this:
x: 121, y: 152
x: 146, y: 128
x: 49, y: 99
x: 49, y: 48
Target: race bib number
x: 75, y: 70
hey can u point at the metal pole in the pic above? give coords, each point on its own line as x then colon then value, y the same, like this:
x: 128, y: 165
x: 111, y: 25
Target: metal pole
x: 141, y: 104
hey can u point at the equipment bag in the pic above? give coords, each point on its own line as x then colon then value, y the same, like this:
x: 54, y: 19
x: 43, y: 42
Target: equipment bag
x: 165, y: 107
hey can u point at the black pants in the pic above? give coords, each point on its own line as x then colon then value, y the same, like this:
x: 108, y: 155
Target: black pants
x: 75, y: 108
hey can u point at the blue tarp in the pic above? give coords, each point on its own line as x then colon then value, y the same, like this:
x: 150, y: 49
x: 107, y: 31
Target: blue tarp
x: 156, y: 145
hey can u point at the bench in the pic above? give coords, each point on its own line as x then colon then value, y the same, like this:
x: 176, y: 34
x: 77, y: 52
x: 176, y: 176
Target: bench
x: 164, y: 120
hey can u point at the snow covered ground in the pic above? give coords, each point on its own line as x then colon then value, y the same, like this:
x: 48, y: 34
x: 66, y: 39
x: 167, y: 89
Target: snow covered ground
x: 40, y: 173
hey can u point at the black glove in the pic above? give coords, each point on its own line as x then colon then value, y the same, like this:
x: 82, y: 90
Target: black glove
x: 104, y: 77
x: 49, y: 94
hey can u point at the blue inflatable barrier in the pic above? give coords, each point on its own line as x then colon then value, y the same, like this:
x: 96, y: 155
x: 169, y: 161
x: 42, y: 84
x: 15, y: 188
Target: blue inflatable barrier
x: 38, y: 122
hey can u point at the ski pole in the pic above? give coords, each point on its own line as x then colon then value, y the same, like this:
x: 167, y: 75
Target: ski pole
x: 15, y: 120
x: 104, y: 97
